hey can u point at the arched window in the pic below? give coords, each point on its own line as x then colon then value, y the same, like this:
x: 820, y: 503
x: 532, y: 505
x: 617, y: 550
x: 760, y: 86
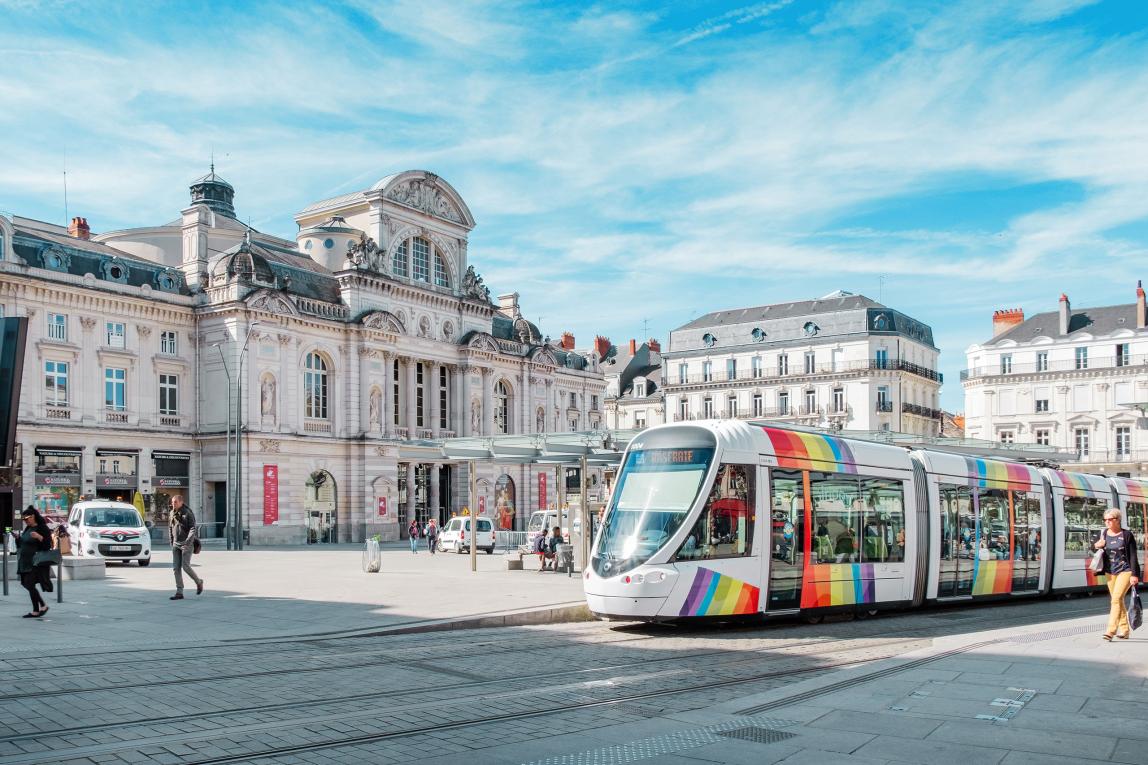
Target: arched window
x: 501, y: 407
x: 440, y: 272
x: 315, y: 387
x: 399, y: 262
x: 420, y: 260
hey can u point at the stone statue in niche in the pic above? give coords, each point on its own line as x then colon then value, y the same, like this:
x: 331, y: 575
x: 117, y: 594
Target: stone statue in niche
x: 267, y: 397
x: 363, y: 253
x: 376, y: 406
x: 540, y: 421
x: 475, y: 417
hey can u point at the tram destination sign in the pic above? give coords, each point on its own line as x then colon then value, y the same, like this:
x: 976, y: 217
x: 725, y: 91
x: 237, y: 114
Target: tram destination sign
x: 656, y: 457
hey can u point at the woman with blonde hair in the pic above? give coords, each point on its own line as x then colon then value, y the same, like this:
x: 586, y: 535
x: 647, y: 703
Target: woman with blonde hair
x: 1122, y: 567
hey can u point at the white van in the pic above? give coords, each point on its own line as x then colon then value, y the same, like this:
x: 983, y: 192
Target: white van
x: 548, y: 519
x: 106, y: 529
x: 455, y: 535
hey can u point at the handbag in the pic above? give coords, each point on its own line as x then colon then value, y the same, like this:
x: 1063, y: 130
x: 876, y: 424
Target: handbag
x: 1096, y: 565
x: 46, y: 558
x: 1135, y: 609
x: 196, y: 546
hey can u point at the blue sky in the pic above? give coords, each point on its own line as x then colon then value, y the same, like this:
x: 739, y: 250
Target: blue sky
x: 629, y: 162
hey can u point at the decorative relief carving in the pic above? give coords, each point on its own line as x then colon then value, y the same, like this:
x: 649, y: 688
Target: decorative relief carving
x: 144, y: 330
x: 385, y: 321
x: 424, y: 327
x: 447, y: 331
x: 272, y: 303
x: 269, y: 445
x: 87, y: 322
x: 284, y: 339
x: 424, y: 195
x: 381, y: 451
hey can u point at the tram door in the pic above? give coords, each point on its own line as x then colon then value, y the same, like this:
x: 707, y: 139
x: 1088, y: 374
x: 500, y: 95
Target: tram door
x: 958, y: 541
x: 787, y: 539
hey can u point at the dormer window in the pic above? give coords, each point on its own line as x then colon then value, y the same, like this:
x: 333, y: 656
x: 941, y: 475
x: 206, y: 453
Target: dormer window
x: 708, y: 340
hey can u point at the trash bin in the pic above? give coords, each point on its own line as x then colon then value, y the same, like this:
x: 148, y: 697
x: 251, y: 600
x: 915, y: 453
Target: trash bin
x: 372, y: 557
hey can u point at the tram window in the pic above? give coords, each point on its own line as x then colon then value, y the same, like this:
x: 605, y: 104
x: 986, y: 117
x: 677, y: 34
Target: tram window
x: 1137, y: 521
x: 996, y: 536
x: 724, y: 528
x: 857, y: 519
x: 1082, y: 519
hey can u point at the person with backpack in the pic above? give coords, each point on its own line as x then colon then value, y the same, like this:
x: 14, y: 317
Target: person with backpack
x: 413, y: 533
x: 432, y: 535
x: 541, y: 549
x: 184, y: 544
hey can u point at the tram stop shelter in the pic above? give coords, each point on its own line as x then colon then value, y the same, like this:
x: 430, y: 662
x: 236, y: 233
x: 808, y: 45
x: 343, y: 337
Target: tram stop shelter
x: 577, y: 449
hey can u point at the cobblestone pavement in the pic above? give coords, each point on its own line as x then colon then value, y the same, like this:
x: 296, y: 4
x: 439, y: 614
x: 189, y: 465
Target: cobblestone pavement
x: 1002, y: 684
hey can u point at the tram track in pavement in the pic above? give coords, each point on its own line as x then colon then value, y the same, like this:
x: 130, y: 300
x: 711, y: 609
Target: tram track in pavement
x: 400, y: 655
x: 790, y: 651
x: 515, y: 688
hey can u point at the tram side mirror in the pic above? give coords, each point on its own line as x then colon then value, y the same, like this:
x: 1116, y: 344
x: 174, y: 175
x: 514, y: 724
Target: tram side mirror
x: 75, y: 522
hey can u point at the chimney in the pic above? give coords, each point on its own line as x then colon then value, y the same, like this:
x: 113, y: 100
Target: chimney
x: 1065, y: 313
x: 601, y: 345
x: 508, y: 305
x: 633, y: 347
x: 79, y: 229
x: 655, y: 346
x: 1141, y: 310
x: 1006, y: 319
x: 567, y: 341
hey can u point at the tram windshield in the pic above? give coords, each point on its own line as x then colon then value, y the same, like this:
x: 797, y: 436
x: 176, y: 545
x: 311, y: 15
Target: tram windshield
x: 653, y: 497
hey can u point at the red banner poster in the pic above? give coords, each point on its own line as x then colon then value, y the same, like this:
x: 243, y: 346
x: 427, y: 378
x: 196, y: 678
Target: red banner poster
x: 482, y: 505
x: 541, y: 491
x: 270, y: 494
x: 382, y: 507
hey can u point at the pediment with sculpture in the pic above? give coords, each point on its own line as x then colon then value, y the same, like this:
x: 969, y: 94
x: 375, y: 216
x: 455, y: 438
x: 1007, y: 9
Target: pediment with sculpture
x: 384, y: 321
x: 272, y: 302
x: 481, y: 341
x: 425, y: 195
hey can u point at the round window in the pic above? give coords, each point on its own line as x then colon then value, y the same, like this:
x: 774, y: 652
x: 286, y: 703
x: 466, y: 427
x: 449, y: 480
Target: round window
x: 758, y: 334
x: 709, y: 340
x: 328, y: 243
x: 307, y: 245
x: 116, y: 272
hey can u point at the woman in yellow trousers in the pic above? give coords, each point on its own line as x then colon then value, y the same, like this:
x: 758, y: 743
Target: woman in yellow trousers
x: 1122, y: 567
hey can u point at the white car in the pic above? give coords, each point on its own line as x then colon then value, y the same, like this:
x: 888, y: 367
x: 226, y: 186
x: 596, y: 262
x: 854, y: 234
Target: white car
x: 112, y: 530
x: 455, y: 535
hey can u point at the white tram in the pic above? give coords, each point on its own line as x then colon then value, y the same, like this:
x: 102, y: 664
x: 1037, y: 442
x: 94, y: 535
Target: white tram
x: 731, y: 518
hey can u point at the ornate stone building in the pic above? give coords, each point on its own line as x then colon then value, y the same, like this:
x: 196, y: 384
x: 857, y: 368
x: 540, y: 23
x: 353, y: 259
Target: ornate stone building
x: 1075, y: 379
x: 843, y: 362
x: 342, y: 355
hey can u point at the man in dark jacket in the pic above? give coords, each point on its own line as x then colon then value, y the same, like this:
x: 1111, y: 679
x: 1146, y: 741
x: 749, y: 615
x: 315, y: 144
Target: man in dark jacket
x: 183, y: 538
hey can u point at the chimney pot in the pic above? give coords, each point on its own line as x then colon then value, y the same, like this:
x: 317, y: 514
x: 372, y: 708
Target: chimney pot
x: 655, y: 346
x: 1141, y: 308
x: 567, y: 342
x: 79, y: 229
x: 1005, y: 319
x: 633, y: 346
x: 1065, y: 313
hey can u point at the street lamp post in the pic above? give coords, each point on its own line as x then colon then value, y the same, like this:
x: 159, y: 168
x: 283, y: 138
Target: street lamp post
x: 239, y: 493
x: 227, y: 498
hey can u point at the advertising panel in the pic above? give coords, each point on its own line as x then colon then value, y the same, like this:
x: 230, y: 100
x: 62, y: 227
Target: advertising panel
x: 270, y: 495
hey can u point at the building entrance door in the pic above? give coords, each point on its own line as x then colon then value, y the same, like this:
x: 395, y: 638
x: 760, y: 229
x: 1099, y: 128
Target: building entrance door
x: 319, y: 506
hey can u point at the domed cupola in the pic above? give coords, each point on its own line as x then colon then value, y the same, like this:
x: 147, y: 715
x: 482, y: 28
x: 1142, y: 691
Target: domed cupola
x: 216, y: 193
x: 326, y: 243
x: 242, y: 262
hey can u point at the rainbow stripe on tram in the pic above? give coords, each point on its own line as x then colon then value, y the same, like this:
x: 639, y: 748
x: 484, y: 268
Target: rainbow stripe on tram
x: 713, y: 594
x: 795, y: 450
x: 838, y: 584
x: 992, y: 577
x: 1074, y: 484
x: 990, y: 474
x: 1136, y: 491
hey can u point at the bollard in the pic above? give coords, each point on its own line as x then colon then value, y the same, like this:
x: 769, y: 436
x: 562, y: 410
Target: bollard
x: 60, y: 580
x: 4, y: 543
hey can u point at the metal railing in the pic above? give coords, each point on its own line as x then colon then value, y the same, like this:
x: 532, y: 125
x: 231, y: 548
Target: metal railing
x: 509, y: 541
x: 1056, y: 365
x: 830, y: 368
x: 884, y: 406
x: 921, y: 411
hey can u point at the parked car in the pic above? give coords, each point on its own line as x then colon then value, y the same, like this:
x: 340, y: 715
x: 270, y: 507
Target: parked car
x: 455, y: 535
x: 112, y: 530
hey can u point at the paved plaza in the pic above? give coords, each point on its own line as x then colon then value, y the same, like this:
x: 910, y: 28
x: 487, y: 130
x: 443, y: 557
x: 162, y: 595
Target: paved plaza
x: 286, y: 659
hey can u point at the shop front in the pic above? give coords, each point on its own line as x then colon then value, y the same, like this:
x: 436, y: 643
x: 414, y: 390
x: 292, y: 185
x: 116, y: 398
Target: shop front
x: 171, y: 471
x: 57, y: 481
x: 117, y: 474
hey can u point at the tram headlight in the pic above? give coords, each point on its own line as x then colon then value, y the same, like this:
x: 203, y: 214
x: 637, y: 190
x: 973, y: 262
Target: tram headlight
x: 655, y: 576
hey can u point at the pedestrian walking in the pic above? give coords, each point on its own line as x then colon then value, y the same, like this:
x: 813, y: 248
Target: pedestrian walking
x: 184, y: 544
x: 432, y: 535
x: 413, y: 534
x: 35, y: 538
x: 1122, y: 567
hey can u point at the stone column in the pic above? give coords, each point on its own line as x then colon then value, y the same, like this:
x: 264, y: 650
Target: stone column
x: 388, y: 394
x: 410, y: 491
x: 525, y: 421
x: 433, y: 500
x: 487, y: 401
x: 432, y: 390
x: 409, y: 394
x: 460, y: 420
x: 90, y: 399
x: 550, y: 406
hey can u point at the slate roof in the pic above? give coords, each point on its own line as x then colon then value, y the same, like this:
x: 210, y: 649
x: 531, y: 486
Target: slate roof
x: 1095, y: 321
x: 782, y: 311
